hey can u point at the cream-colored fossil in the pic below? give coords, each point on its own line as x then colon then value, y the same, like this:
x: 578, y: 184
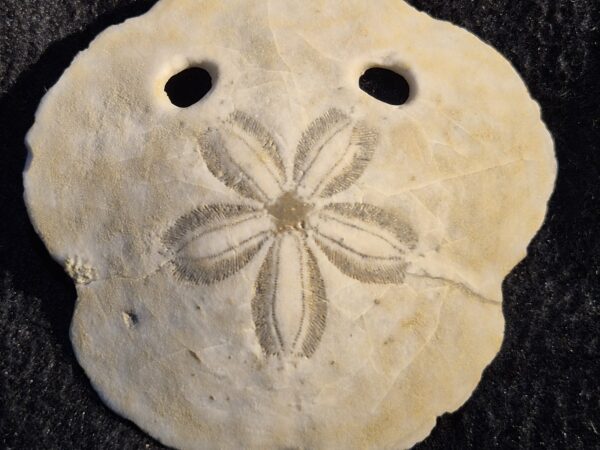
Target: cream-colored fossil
x: 287, y: 262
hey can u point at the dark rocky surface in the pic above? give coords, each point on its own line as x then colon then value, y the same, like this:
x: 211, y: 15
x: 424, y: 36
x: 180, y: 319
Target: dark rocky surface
x: 542, y: 391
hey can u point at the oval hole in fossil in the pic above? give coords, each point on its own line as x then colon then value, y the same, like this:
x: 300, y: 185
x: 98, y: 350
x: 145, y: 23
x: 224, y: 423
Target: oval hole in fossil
x: 188, y: 86
x: 385, y: 85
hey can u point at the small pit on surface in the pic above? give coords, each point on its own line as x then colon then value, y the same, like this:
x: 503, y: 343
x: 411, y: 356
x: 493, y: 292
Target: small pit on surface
x: 385, y: 85
x: 188, y: 86
x: 130, y: 318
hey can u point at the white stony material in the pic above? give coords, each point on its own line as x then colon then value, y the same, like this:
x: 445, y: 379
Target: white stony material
x: 388, y: 229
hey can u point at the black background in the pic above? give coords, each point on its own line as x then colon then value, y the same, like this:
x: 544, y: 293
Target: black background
x: 542, y: 391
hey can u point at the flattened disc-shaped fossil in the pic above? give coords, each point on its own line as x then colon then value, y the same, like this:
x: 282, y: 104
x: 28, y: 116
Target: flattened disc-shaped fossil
x: 287, y: 261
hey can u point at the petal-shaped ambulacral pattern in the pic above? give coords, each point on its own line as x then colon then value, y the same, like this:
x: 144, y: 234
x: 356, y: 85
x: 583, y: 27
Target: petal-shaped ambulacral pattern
x: 244, y: 157
x: 364, y: 241
x: 256, y: 137
x: 315, y: 313
x: 317, y: 136
x: 352, y: 163
x: 213, y: 242
x: 332, y: 154
x: 290, y: 320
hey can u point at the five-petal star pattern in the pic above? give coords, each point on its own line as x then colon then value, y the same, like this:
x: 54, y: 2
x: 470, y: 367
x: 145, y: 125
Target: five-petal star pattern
x: 278, y: 211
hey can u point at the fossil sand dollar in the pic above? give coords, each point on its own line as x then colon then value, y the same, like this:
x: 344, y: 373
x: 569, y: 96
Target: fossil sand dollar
x: 287, y: 261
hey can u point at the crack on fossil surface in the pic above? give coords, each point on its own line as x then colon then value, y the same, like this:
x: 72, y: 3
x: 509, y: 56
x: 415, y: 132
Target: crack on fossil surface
x: 458, y: 176
x: 461, y: 286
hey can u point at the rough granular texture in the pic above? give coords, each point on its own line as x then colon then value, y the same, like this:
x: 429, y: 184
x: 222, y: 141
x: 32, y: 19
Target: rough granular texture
x: 540, y: 392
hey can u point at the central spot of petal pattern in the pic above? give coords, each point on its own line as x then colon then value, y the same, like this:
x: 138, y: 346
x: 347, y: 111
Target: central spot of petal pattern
x: 289, y: 212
